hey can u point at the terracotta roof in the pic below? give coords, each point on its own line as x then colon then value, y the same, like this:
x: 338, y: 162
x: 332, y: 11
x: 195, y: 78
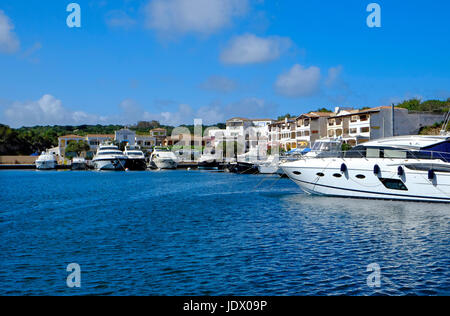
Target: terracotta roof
x: 316, y: 114
x: 71, y: 136
x: 101, y: 135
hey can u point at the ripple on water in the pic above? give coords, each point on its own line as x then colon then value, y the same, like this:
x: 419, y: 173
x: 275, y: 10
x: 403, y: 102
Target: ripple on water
x: 200, y: 233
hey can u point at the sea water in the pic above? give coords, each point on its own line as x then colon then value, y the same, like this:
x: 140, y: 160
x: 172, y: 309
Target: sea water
x: 210, y: 233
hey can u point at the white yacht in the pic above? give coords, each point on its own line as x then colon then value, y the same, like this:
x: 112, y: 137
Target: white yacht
x: 269, y: 166
x: 109, y: 157
x: 46, y: 161
x: 79, y: 164
x: 163, y: 158
x: 135, y: 158
x: 414, y: 168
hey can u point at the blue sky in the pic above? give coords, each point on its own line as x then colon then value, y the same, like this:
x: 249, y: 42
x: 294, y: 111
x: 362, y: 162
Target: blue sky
x: 176, y: 60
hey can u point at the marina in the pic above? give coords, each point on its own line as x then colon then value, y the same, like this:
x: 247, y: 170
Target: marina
x: 207, y: 233
x: 214, y: 154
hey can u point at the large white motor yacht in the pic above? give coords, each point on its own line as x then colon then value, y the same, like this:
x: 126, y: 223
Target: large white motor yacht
x: 109, y: 157
x: 135, y: 158
x: 163, y: 158
x: 46, y: 161
x: 412, y: 168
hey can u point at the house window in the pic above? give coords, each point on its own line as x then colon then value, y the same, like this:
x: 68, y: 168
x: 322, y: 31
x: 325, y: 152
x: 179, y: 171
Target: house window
x: 365, y: 129
x: 338, y: 121
x: 339, y: 132
x: 354, y: 118
x: 306, y: 133
x: 353, y: 130
x: 363, y: 117
x: 331, y: 122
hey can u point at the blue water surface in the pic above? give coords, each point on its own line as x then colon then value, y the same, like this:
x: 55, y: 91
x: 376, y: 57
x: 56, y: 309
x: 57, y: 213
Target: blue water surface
x: 204, y: 233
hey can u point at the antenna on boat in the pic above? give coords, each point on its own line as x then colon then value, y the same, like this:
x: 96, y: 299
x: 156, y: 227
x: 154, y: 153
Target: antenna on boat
x: 446, y: 122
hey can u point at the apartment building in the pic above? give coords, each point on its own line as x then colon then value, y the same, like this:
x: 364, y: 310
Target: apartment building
x: 160, y: 135
x: 311, y: 127
x: 252, y: 133
x: 282, y: 134
x: 359, y: 126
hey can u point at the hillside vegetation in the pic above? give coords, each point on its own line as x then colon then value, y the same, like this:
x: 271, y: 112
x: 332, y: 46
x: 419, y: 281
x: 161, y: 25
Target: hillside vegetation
x: 435, y: 106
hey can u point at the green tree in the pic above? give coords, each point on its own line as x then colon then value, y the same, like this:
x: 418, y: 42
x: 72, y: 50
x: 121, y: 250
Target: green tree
x: 77, y: 147
x: 324, y: 110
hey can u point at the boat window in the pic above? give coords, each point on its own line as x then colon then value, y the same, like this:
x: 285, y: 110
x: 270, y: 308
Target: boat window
x: 394, y: 184
x: 373, y: 153
x: 356, y: 152
x: 297, y: 173
x: 392, y: 153
x: 360, y: 176
x: 320, y: 174
x: 337, y: 175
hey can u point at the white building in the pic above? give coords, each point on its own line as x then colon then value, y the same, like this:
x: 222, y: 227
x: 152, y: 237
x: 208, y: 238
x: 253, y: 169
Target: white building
x: 125, y: 136
x: 358, y: 126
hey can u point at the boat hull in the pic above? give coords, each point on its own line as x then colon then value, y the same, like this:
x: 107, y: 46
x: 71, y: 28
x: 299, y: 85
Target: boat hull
x: 165, y: 164
x: 110, y: 164
x: 77, y: 166
x: 45, y: 165
x: 358, y: 180
x: 208, y: 165
x: 136, y: 164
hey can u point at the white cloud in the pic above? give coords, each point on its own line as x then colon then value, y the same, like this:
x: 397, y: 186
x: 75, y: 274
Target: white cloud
x: 46, y: 111
x: 299, y: 82
x: 9, y: 43
x: 219, y: 84
x: 251, y: 49
x: 192, y: 16
x: 49, y: 110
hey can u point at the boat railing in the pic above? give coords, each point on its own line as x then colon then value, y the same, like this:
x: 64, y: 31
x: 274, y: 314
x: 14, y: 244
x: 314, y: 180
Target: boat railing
x: 410, y: 154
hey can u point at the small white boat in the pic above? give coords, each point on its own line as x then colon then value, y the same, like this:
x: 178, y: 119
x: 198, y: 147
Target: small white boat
x: 109, y: 157
x: 79, y: 163
x: 46, y: 161
x: 163, y: 158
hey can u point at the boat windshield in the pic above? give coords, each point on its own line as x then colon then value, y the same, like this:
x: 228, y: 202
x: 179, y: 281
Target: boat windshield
x: 116, y: 152
x: 135, y: 153
x: 325, y: 146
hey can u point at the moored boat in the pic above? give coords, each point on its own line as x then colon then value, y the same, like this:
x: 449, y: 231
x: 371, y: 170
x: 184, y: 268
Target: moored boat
x: 46, y: 161
x: 414, y: 168
x: 109, y: 157
x: 79, y: 163
x: 163, y: 158
x: 135, y: 158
